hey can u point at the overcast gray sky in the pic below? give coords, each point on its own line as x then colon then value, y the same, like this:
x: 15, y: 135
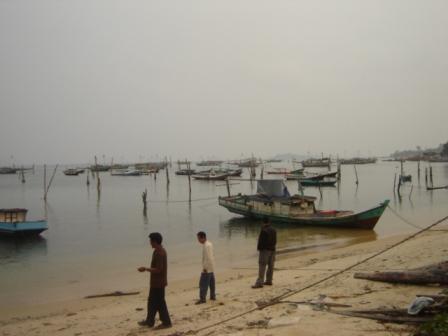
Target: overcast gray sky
x: 202, y: 79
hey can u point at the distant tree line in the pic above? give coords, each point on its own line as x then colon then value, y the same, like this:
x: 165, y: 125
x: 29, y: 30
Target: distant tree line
x: 444, y: 150
x: 441, y: 150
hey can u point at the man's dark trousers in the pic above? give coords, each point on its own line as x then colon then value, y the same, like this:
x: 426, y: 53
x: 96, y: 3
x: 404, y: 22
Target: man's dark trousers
x: 207, y: 280
x: 157, y: 303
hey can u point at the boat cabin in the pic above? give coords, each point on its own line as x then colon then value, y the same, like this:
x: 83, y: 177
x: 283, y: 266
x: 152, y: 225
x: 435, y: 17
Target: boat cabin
x: 13, y: 215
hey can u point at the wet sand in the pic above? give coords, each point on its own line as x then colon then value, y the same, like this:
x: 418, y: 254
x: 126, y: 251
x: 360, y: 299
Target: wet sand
x: 294, y: 270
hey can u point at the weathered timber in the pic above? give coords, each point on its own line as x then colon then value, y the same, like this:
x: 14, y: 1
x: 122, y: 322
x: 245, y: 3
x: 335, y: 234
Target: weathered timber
x: 387, y: 318
x: 432, y: 274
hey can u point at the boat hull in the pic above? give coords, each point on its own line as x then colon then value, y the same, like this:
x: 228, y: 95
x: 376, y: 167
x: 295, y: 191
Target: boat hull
x: 362, y: 220
x: 27, y: 228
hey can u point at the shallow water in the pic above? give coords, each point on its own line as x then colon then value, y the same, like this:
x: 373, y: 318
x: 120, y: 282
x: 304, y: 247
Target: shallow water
x: 95, y: 242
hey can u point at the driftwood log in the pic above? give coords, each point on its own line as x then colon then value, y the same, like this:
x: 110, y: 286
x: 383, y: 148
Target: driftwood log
x: 385, y: 317
x: 117, y: 293
x: 432, y: 274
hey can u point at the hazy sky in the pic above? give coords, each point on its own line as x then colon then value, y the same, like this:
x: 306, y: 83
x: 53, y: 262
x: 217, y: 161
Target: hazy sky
x: 201, y: 79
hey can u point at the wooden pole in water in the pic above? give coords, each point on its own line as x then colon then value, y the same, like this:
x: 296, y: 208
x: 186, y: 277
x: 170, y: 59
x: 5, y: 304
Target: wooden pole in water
x: 144, y: 199
x: 395, y: 180
x: 430, y: 177
x: 262, y: 172
x: 189, y: 181
x: 98, y: 182
x: 88, y: 181
x: 45, y: 182
x: 339, y: 169
x: 399, y: 186
x: 23, y: 175
x: 356, y: 174
x: 49, y: 183
x: 418, y: 169
x: 167, y: 173
x: 228, y: 186
x: 426, y: 177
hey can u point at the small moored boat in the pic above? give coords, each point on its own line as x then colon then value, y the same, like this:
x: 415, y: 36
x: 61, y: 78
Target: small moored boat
x: 274, y: 201
x: 13, y: 223
x: 318, y: 183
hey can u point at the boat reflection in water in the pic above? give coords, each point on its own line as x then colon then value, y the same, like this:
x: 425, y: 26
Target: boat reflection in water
x: 292, y: 238
x: 13, y: 250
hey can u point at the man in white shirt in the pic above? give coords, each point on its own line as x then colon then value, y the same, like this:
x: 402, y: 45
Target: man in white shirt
x: 208, y: 267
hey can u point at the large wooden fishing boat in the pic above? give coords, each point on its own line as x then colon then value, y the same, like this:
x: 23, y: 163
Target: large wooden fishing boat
x: 13, y: 223
x: 274, y: 201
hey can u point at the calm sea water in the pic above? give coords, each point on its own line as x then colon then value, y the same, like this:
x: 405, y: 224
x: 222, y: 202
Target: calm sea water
x: 95, y: 242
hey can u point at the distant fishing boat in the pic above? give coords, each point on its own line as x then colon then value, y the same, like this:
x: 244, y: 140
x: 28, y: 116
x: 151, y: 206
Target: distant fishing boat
x: 126, y: 172
x: 13, y: 223
x: 234, y: 172
x: 274, y: 201
x: 209, y: 163
x: 211, y: 176
x: 324, y: 162
x: 185, y: 172
x: 318, y: 183
x: 279, y: 171
x: 73, y: 171
x: 8, y: 170
x: 100, y: 168
x: 358, y: 161
x: 248, y: 163
x: 310, y: 176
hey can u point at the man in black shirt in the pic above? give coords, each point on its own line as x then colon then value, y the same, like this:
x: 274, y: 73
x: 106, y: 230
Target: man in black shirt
x: 158, y: 282
x: 267, y: 240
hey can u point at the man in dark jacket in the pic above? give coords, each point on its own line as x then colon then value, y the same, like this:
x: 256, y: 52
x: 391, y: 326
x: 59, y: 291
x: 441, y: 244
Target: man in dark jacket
x: 267, y: 240
x: 158, y: 282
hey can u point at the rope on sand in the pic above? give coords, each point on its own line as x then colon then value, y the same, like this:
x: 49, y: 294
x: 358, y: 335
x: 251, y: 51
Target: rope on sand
x: 277, y: 300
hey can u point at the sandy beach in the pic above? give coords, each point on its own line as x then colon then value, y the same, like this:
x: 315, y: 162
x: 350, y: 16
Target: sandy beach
x: 294, y: 271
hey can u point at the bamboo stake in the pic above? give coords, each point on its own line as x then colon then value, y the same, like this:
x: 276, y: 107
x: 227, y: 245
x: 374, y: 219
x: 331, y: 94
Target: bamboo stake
x: 430, y: 177
x: 395, y: 181
x: 23, y: 175
x: 144, y: 199
x: 228, y: 186
x: 98, y: 182
x: 45, y: 182
x: 189, y: 181
x: 167, y: 173
x: 356, y: 174
x: 49, y: 183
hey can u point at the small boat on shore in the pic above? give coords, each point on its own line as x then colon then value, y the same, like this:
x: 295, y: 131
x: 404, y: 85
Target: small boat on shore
x: 273, y: 200
x: 13, y: 223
